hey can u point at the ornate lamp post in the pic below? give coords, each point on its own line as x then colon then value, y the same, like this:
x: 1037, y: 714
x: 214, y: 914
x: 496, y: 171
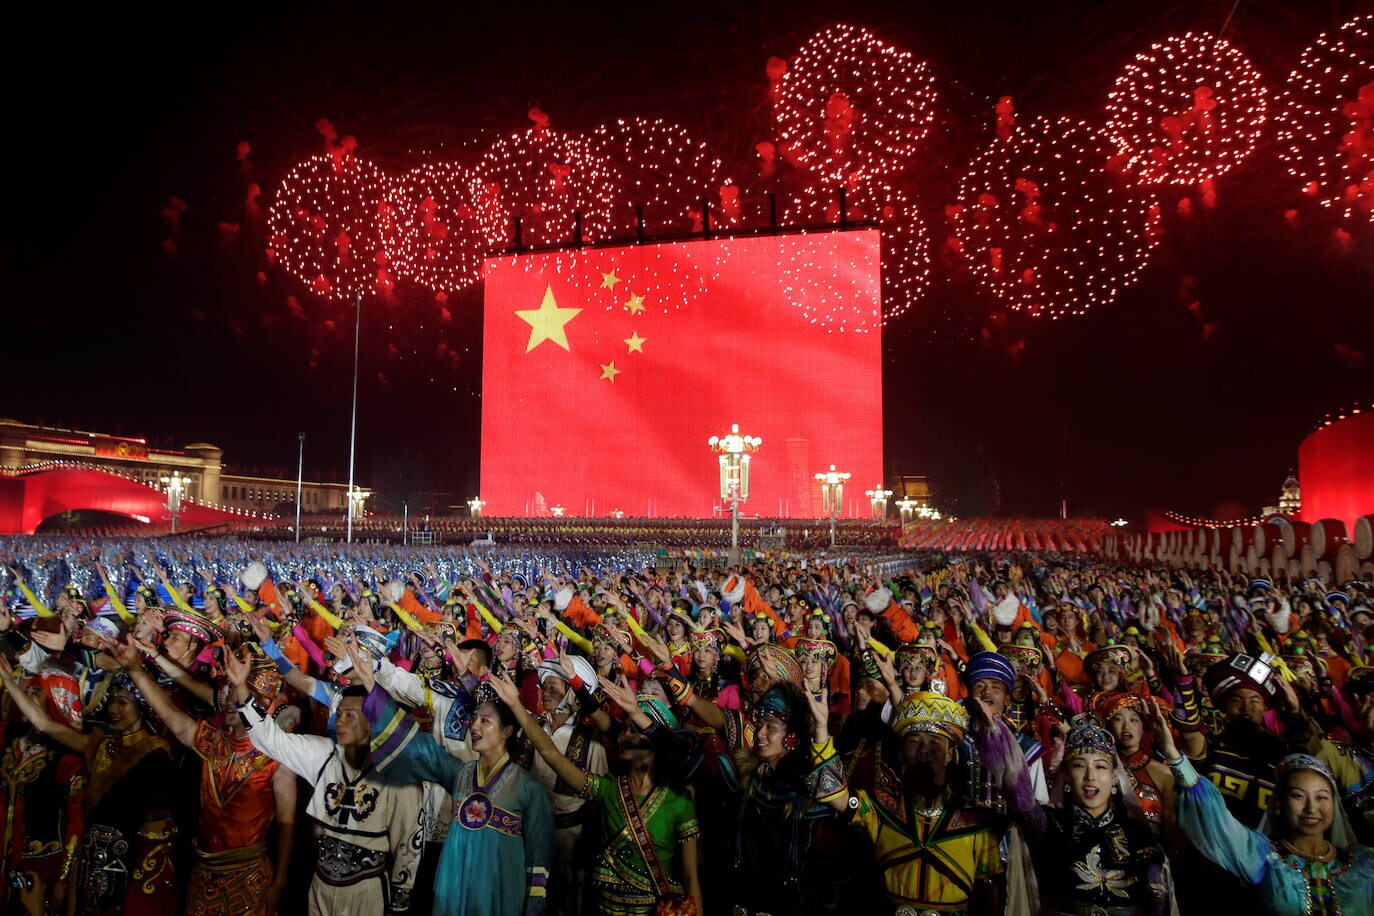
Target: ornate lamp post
x: 907, y: 507
x: 176, y: 489
x: 733, y: 450
x: 557, y: 511
x: 877, y: 497
x: 475, y: 506
x: 832, y: 491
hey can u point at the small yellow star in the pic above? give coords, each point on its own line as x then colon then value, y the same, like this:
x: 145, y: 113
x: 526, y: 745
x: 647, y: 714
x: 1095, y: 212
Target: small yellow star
x: 608, y: 281
x: 635, y: 342
x: 635, y: 305
x: 609, y: 372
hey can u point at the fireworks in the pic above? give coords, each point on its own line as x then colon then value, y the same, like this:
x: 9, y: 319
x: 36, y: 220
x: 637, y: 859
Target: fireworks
x: 905, y: 250
x: 1188, y: 110
x: 1326, y: 135
x: 543, y: 177
x: 1045, y: 226
x: 664, y: 169
x: 853, y: 103
x: 323, y: 226
x: 429, y: 228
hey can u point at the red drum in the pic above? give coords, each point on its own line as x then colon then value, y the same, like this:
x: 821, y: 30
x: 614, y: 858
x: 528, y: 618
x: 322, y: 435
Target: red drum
x: 1327, y: 537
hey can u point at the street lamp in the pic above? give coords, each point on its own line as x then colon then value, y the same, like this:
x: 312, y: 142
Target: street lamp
x: 557, y: 511
x: 176, y: 488
x: 832, y: 493
x: 475, y: 506
x: 733, y: 450
x: 878, y: 498
x: 356, y: 497
x: 907, y: 506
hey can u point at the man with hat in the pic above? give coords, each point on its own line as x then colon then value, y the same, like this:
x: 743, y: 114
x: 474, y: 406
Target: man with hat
x: 937, y: 851
x: 991, y: 679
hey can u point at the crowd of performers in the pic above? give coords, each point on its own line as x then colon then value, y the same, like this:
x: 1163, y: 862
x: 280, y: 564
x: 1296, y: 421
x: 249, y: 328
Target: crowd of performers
x: 960, y: 735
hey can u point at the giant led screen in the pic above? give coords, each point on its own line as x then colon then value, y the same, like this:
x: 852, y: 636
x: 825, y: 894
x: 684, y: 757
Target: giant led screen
x: 606, y: 371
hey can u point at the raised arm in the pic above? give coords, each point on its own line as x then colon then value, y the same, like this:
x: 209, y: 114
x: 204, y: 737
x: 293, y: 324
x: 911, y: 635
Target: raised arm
x: 37, y: 715
x: 177, y: 722
x: 567, y: 771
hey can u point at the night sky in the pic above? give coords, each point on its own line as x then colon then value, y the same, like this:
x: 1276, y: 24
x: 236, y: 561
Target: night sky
x: 1134, y: 405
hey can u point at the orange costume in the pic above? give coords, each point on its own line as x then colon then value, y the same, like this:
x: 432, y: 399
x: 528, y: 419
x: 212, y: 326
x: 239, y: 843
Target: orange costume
x: 237, y: 805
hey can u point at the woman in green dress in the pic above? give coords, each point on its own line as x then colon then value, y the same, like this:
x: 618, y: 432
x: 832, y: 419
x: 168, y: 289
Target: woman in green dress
x: 650, y: 827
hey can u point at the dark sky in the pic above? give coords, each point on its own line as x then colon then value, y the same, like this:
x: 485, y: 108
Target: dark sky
x: 112, y: 112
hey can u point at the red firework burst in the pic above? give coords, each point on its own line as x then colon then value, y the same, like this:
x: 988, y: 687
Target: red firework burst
x: 323, y: 226
x: 851, y: 102
x: 1326, y: 134
x: 430, y: 230
x: 905, y: 250
x: 664, y: 170
x: 1045, y: 226
x: 1188, y: 110
x: 543, y: 177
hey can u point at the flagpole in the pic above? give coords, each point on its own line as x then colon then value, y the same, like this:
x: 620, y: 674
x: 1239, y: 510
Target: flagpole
x: 353, y: 431
x: 300, y: 477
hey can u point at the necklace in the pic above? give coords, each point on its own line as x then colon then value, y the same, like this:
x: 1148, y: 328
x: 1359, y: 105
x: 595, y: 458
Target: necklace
x: 1326, y: 855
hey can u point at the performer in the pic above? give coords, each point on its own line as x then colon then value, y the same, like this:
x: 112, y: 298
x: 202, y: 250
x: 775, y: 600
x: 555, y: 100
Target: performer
x: 242, y: 792
x: 650, y: 827
x: 369, y: 831
x: 936, y: 850
x: 1302, y: 859
x: 125, y: 865
x: 507, y: 830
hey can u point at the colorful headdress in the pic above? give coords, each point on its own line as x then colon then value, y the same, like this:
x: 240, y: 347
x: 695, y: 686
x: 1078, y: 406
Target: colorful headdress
x: 1108, y: 703
x: 1109, y: 655
x: 712, y: 638
x: 602, y: 636
x: 1299, y: 661
x: 150, y: 597
x: 823, y: 649
x: 1211, y: 652
x: 772, y: 705
x: 916, y: 653
x: 654, y: 707
x: 775, y: 663
x: 989, y: 665
x: 193, y: 624
x: 1087, y: 736
x: 934, y: 713
x: 1027, y: 660
x: 265, y: 683
x: 61, y: 695
x: 1241, y: 671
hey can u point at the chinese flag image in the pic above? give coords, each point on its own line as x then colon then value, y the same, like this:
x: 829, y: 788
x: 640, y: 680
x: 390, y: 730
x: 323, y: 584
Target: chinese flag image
x: 605, y: 371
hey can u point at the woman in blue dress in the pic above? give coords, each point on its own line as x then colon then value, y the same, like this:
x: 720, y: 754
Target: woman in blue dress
x: 1303, y: 859
x: 495, y: 860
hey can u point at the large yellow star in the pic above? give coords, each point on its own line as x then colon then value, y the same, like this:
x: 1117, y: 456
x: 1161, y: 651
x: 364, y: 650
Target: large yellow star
x: 609, y: 372
x: 635, y: 305
x: 635, y: 342
x: 547, y: 322
x: 608, y: 281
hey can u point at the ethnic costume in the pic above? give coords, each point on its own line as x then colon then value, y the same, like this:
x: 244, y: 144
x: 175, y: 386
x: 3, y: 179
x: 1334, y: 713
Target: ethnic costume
x: 1286, y: 881
x: 933, y: 857
x: 232, y: 872
x: 643, y: 838
x: 1108, y: 864
x: 502, y: 821
x: 126, y: 851
x: 369, y: 831
x: 40, y: 787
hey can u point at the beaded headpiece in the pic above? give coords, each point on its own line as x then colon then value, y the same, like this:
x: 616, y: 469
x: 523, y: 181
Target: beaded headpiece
x: 1109, y: 655
x: 934, y: 713
x: 193, y: 624
x: 823, y: 649
x: 1089, y: 737
x: 775, y: 662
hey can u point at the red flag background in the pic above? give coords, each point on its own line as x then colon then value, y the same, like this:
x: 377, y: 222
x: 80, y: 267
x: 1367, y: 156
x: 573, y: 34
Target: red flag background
x: 605, y: 371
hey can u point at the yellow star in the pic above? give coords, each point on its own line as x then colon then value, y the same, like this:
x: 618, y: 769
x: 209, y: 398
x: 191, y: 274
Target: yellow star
x: 609, y: 372
x: 547, y: 322
x: 608, y: 281
x: 635, y: 342
x: 635, y: 305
